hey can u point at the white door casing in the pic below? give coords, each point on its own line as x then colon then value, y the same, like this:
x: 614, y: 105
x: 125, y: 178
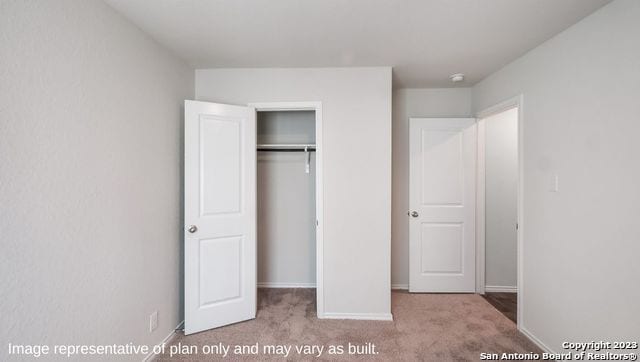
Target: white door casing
x: 220, y: 215
x: 442, y: 200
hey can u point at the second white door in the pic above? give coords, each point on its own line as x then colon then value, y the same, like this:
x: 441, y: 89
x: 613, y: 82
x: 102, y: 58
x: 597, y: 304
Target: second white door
x: 442, y: 195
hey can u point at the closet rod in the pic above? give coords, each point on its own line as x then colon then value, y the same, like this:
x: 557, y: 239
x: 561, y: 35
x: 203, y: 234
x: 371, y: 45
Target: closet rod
x: 286, y: 149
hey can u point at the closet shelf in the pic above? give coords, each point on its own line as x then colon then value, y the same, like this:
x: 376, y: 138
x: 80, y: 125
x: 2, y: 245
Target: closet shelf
x: 279, y: 147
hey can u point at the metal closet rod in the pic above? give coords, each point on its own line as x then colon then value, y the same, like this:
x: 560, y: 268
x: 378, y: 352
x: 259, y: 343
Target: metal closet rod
x: 310, y: 147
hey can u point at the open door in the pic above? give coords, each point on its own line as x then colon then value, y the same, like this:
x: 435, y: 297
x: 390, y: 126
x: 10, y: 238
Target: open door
x: 442, y: 198
x: 220, y: 215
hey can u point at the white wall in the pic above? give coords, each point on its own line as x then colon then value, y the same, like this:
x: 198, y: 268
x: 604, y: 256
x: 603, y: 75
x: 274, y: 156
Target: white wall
x: 356, y: 115
x: 581, y: 122
x: 90, y: 155
x: 501, y: 198
x: 436, y: 102
x: 286, y: 202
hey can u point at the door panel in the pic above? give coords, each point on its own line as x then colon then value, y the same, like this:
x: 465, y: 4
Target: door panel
x: 442, y: 163
x: 220, y: 215
x: 220, y: 141
x: 221, y: 256
x: 447, y: 239
x: 442, y: 195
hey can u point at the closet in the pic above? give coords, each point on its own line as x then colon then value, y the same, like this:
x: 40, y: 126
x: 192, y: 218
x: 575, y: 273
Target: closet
x: 253, y: 207
x: 286, y: 199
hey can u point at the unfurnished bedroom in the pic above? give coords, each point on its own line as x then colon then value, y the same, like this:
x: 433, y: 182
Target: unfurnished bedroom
x: 419, y: 180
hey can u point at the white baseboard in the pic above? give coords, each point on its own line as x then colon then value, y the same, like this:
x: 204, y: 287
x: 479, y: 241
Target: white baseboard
x: 500, y: 289
x: 285, y: 285
x: 535, y: 340
x: 399, y: 286
x: 151, y: 356
x: 360, y: 316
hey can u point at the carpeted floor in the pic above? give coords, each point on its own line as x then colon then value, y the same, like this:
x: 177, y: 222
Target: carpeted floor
x: 426, y: 327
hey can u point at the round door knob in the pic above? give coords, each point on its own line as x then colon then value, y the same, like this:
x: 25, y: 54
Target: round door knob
x: 414, y: 213
x: 192, y: 229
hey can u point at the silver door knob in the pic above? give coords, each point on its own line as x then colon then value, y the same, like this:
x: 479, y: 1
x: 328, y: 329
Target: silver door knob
x: 192, y: 229
x: 414, y: 214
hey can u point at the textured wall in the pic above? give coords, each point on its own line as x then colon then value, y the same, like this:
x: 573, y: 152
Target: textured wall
x: 90, y: 185
x: 580, y: 122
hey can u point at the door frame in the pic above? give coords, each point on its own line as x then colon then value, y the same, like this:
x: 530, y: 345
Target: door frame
x: 317, y: 107
x: 514, y: 102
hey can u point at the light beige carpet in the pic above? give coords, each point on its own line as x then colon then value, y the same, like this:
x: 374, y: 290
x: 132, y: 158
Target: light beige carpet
x: 426, y: 327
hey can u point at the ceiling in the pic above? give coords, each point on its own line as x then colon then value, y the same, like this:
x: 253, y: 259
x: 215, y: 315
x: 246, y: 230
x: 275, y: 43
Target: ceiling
x: 424, y: 40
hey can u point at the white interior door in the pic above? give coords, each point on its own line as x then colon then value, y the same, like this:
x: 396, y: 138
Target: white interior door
x: 220, y: 215
x: 442, y: 205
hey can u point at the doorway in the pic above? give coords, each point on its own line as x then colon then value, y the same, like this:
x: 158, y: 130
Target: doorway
x: 286, y: 168
x: 295, y: 129
x: 499, y: 204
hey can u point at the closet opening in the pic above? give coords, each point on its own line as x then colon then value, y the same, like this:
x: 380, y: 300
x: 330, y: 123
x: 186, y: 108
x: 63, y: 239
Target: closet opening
x: 288, y: 180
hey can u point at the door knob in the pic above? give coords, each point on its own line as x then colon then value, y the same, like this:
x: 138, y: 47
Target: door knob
x: 414, y: 214
x: 192, y: 229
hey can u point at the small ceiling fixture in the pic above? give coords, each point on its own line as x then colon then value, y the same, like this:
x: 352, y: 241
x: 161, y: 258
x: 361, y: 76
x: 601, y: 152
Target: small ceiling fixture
x: 458, y: 77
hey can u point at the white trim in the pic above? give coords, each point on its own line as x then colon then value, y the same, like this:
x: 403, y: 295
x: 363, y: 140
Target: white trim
x: 319, y: 213
x: 360, y: 316
x: 399, y: 286
x: 536, y: 340
x: 480, y: 210
x: 317, y: 107
x: 501, y: 107
x: 515, y: 102
x: 285, y: 285
x: 151, y: 356
x: 285, y: 106
x: 500, y: 289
